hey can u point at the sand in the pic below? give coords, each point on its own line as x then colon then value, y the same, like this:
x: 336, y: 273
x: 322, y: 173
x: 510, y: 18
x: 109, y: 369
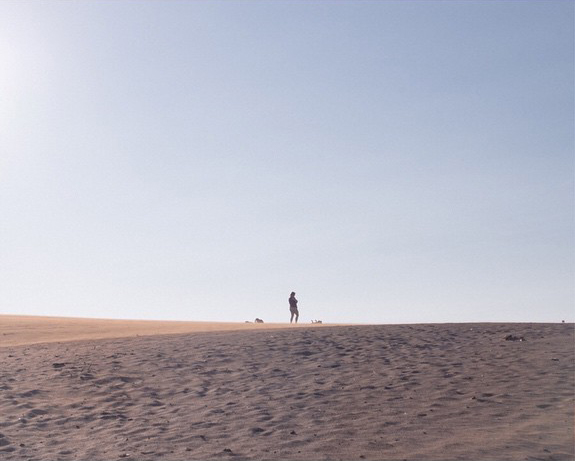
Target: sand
x: 16, y: 330
x: 437, y: 391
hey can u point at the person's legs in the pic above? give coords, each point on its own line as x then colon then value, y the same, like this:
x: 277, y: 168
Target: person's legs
x: 296, y: 316
x: 291, y: 318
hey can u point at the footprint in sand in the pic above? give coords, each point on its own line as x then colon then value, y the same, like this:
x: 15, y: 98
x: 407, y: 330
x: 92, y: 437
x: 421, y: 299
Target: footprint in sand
x: 36, y: 412
x: 31, y: 393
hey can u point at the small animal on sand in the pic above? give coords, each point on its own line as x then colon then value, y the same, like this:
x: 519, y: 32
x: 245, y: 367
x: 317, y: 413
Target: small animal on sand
x: 259, y: 321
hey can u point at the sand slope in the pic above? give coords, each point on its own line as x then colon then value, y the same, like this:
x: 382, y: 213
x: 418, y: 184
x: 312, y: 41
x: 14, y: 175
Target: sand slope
x: 16, y: 330
x: 365, y: 392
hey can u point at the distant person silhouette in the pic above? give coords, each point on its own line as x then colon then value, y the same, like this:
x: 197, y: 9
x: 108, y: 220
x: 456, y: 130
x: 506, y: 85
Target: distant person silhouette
x: 293, y: 307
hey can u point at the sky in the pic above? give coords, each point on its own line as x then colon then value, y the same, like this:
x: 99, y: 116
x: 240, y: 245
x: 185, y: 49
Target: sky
x: 389, y: 161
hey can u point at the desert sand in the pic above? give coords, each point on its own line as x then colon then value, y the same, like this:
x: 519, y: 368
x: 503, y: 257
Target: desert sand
x: 434, y: 391
x: 17, y: 330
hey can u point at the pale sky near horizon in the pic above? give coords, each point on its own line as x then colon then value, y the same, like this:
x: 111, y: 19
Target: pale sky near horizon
x: 391, y: 162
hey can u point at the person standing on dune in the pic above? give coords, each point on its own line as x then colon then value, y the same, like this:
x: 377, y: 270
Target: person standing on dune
x: 293, y: 307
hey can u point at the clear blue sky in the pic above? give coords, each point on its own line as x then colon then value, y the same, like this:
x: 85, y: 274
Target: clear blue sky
x: 390, y: 161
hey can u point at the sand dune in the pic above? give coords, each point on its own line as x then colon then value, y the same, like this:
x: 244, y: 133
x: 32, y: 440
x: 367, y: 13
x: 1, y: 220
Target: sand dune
x: 16, y: 330
x: 447, y: 392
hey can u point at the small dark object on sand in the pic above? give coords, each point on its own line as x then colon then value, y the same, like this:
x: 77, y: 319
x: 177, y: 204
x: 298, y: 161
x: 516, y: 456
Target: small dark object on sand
x: 259, y: 321
x: 514, y: 338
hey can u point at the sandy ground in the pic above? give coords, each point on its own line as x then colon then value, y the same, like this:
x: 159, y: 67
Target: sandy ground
x: 453, y: 391
x: 16, y: 330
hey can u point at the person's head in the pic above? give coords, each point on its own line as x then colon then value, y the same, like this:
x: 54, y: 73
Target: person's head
x: 292, y: 293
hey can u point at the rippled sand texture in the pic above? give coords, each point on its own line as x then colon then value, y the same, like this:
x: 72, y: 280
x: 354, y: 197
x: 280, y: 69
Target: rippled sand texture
x: 358, y: 392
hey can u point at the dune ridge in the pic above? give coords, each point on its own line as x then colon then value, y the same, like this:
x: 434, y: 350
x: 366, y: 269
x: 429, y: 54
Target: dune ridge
x: 16, y: 330
x: 450, y: 391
